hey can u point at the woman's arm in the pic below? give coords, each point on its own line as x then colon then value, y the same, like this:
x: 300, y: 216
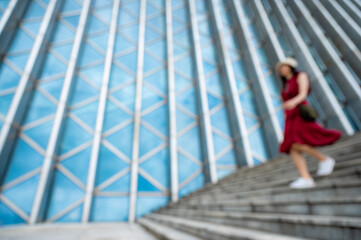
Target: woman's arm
x: 303, y: 86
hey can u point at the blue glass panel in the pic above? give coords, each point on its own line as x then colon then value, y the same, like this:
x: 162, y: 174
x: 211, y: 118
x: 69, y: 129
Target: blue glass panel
x: 88, y: 113
x: 100, y: 40
x: 220, y: 143
x: 228, y: 159
x: 126, y: 96
x: 133, y: 6
x: 204, y: 27
x: 239, y: 70
x: 178, y: 49
x: 159, y: 81
x: 145, y: 186
x: 8, y: 77
x: 72, y: 216
x: 21, y: 42
x: 131, y: 32
x: 122, y: 44
x: 5, y: 102
x: 94, y: 74
x: 175, y: 3
x: 247, y: 101
x: 194, y: 185
x: 183, y: 120
x: 18, y: 166
x: 33, y: 27
x: 148, y: 141
x: 65, y: 193
x: 123, y: 140
x: 27, y: 188
x: 280, y: 118
x: 158, y: 119
x: 4, y: 4
x: 73, y: 136
x: 34, y: 11
x: 209, y: 53
x: 62, y: 33
x: 256, y: 162
x: 158, y: 49
x: 40, y: 107
x: 151, y: 10
x: 83, y: 91
x: 64, y: 50
x: 158, y: 22
x: 219, y: 120
x: 78, y: 164
x: 151, y: 35
x: 249, y: 121
x: 52, y: 66
x: 108, y: 165
x: 124, y: 18
x: 150, y: 63
x: 221, y: 173
x: 89, y: 55
x: 176, y: 25
x: 53, y: 87
x: 40, y: 134
x: 113, y: 116
x: 213, y: 101
x: 208, y: 67
x: 7, y: 216
x: 272, y: 84
x: 187, y: 101
x: 262, y: 56
x: 158, y: 167
x: 186, y: 168
x: 129, y: 61
x: 149, y: 98
x: 146, y: 205
x: 118, y: 76
x: 181, y: 13
x: 257, y: 143
x: 182, y: 37
x: 95, y: 25
x: 231, y: 42
x: 214, y: 84
x: 181, y: 83
x: 101, y: 3
x: 110, y: 209
x: 191, y: 137
x: 105, y: 14
x: 70, y: 5
x: 120, y: 185
x: 73, y: 20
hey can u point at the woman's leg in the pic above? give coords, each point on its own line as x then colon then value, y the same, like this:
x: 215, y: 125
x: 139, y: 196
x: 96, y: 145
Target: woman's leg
x: 309, y: 150
x: 300, y: 163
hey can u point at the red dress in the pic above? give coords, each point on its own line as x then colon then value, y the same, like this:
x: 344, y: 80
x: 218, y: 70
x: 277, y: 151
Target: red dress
x: 300, y: 131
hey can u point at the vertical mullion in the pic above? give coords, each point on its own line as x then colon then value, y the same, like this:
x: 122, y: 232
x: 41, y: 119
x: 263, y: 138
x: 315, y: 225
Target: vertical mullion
x: 333, y: 111
x: 243, y: 148
x: 272, y: 127
x: 171, y: 105
x: 137, y: 115
x: 54, y: 138
x: 100, y: 114
x: 204, y: 115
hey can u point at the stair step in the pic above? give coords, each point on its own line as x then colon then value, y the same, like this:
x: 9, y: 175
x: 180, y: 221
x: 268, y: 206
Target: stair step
x: 341, y: 206
x: 163, y: 232
x: 309, y: 226
x: 210, y: 231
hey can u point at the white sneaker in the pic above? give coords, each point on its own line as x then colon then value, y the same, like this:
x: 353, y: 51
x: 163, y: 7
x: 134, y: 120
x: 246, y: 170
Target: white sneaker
x: 301, y: 183
x: 326, y: 167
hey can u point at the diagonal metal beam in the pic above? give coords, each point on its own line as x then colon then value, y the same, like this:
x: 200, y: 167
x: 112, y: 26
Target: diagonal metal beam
x: 172, y: 106
x: 48, y: 163
x: 208, y: 153
x: 100, y: 114
x: 271, y: 126
x: 235, y: 111
x: 25, y: 87
x: 137, y: 112
x: 332, y: 109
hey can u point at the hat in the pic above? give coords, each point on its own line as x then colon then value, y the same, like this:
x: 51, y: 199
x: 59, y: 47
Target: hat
x: 287, y: 61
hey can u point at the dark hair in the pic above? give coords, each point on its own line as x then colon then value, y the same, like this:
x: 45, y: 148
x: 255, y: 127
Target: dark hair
x: 284, y: 80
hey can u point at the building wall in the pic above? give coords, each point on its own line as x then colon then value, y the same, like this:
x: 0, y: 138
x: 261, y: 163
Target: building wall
x: 111, y: 109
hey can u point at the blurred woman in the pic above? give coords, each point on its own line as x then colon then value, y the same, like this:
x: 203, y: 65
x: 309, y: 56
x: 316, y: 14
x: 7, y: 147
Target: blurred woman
x: 301, y: 136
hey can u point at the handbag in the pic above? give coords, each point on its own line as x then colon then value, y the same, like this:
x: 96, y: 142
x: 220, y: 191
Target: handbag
x: 308, y: 113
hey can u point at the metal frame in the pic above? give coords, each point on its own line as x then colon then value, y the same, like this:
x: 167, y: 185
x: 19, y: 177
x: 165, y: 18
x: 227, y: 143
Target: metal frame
x: 335, y: 65
x: 137, y: 112
x: 100, y: 114
x: 235, y: 111
x: 172, y: 106
x: 332, y: 109
x: 352, y: 10
x: 47, y: 168
x: 271, y: 126
x: 207, y: 144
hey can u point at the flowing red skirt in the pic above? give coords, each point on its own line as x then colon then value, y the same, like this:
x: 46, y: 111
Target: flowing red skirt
x: 300, y: 131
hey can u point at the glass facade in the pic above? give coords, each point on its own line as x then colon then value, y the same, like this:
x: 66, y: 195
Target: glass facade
x: 110, y: 109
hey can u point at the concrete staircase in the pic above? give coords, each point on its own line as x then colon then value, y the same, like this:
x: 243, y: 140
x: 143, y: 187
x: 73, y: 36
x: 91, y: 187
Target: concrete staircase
x: 256, y: 203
